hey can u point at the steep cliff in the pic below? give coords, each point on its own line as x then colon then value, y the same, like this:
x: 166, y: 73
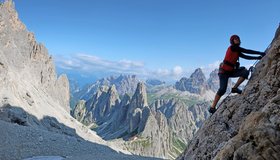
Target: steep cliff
x: 245, y: 126
x: 26, y: 64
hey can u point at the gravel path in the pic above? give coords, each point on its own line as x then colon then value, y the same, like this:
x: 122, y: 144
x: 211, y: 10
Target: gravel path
x: 20, y: 142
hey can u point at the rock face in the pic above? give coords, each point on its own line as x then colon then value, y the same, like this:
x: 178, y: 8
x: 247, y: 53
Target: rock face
x: 245, y: 126
x: 195, y: 84
x: 22, y: 58
x: 116, y: 119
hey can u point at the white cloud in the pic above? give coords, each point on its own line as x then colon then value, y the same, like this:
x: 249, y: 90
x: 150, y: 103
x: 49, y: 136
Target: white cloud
x: 162, y: 72
x: 91, y: 65
x: 177, y: 70
x: 210, y: 67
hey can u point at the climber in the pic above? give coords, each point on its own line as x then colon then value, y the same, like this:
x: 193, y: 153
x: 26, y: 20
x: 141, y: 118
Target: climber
x: 230, y: 68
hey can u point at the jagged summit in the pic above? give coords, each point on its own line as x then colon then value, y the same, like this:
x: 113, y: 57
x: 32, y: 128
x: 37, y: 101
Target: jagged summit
x: 124, y: 84
x: 245, y: 126
x: 140, y: 96
x: 199, y: 76
x: 195, y: 84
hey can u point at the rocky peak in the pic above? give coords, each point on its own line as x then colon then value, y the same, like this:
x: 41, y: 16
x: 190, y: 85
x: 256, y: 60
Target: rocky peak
x: 198, y: 77
x: 14, y: 22
x: 139, y: 98
x: 123, y: 84
x: 113, y: 96
x: 26, y: 60
x: 103, y: 104
x: 126, y: 84
x: 120, y: 119
x: 195, y: 84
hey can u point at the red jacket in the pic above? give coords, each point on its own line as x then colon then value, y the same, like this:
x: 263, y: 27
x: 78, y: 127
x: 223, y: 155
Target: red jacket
x: 232, y: 57
x: 230, y: 60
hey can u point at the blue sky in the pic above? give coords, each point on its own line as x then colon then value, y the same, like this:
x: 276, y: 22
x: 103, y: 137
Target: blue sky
x: 151, y: 38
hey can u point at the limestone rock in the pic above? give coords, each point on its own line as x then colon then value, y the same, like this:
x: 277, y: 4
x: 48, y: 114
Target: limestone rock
x: 245, y: 126
x: 79, y: 111
x: 100, y: 107
x: 22, y: 58
x: 128, y: 118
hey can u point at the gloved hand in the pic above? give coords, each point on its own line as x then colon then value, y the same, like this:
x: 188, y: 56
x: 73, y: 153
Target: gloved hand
x: 262, y: 54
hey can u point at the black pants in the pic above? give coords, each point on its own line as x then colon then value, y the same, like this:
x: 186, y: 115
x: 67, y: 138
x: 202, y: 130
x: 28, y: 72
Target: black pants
x: 240, y: 72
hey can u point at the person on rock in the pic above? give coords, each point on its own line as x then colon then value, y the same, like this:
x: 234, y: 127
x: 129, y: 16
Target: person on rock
x: 230, y: 68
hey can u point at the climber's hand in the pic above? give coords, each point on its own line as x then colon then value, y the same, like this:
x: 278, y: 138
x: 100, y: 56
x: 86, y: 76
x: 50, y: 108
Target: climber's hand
x: 262, y: 54
x: 259, y: 57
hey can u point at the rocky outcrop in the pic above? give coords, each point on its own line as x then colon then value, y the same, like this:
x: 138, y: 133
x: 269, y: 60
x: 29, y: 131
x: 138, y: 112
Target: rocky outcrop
x: 22, y: 58
x: 79, y: 111
x: 123, y: 83
x: 195, y: 84
x: 118, y: 119
x: 169, y: 127
x: 245, y: 126
x: 155, y: 138
x: 99, y: 108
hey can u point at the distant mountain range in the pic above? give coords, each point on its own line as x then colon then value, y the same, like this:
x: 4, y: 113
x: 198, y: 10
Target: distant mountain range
x: 159, y: 129
x: 124, y: 107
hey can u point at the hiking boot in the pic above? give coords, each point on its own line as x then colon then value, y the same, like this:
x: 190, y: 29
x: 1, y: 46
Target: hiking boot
x: 212, y: 110
x: 236, y: 90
